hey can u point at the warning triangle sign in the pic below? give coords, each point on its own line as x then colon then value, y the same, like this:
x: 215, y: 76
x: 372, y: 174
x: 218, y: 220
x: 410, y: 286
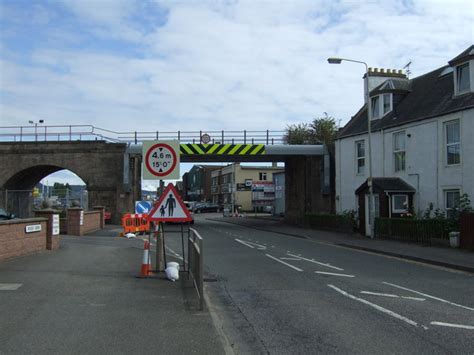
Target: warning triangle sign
x: 170, y: 208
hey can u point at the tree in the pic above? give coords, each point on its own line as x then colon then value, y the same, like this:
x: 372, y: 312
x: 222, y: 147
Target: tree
x: 324, y: 129
x: 321, y: 130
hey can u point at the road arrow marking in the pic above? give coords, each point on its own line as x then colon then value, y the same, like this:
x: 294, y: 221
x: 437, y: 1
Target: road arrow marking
x: 392, y: 296
x: 10, y: 287
x: 471, y: 327
x: 333, y: 274
x: 432, y: 297
x: 316, y: 262
x: 377, y: 307
x: 244, y: 243
x: 282, y: 262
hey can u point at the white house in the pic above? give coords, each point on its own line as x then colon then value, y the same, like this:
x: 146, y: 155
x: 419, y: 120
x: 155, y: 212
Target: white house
x: 422, y: 142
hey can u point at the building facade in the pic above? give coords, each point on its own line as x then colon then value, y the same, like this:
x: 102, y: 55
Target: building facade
x: 422, y: 145
x: 248, y: 187
x: 198, y: 183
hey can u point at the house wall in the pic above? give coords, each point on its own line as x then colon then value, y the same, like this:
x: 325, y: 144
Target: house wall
x: 425, y: 168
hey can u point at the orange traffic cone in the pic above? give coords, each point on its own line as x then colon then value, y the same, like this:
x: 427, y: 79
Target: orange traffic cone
x: 146, y: 266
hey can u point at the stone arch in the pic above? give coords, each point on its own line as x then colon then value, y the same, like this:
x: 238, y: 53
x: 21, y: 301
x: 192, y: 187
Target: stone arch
x: 99, y: 164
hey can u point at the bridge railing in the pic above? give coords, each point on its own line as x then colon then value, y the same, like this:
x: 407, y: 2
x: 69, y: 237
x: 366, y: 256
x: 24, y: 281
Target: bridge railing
x: 89, y: 132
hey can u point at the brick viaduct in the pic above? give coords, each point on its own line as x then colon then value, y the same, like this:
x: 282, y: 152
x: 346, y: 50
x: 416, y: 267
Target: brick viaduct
x: 113, y: 175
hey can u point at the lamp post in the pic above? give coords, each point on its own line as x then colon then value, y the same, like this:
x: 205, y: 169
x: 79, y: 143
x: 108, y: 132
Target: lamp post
x: 36, y: 128
x: 333, y: 60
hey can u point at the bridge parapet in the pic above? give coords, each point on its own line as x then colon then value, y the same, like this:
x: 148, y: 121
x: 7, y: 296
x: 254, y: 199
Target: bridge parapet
x: 91, y: 133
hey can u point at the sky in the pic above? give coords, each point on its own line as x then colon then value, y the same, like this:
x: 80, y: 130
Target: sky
x: 146, y: 65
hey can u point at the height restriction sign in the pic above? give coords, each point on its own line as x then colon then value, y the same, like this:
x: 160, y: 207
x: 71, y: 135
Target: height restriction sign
x: 161, y: 160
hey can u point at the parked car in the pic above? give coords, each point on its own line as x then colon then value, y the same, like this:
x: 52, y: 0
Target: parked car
x: 206, y: 207
x: 4, y: 215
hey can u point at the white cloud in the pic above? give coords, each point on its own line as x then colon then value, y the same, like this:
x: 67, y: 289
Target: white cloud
x: 238, y: 65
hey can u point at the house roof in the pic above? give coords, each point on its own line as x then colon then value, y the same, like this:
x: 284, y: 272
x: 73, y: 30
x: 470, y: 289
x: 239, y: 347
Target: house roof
x: 466, y: 55
x: 387, y: 184
x: 392, y: 85
x: 427, y: 96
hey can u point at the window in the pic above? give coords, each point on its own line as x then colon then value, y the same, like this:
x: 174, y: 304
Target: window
x: 399, y: 203
x: 399, y: 151
x: 262, y: 176
x: 453, y: 142
x: 387, y: 103
x: 375, y: 107
x: 360, y: 157
x: 451, y: 201
x: 381, y: 105
x: 463, y: 79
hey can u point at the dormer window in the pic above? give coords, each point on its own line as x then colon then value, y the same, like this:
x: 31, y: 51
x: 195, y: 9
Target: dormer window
x: 463, y: 78
x: 381, y: 105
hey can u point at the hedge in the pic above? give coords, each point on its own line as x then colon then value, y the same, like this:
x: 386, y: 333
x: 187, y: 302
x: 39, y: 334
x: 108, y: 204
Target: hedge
x: 329, y: 221
x: 412, y: 230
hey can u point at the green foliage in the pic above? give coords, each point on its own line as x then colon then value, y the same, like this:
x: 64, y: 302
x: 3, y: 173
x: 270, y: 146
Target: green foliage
x: 320, y: 130
x: 60, y: 189
x: 345, y: 221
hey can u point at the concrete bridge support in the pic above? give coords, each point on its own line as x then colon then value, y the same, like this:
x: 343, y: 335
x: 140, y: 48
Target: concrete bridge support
x: 99, y: 164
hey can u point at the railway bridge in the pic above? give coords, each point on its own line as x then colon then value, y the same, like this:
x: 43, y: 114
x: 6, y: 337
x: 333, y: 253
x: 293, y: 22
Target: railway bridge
x: 110, y: 163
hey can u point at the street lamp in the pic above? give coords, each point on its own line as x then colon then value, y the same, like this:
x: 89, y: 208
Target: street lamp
x: 334, y: 60
x: 36, y: 127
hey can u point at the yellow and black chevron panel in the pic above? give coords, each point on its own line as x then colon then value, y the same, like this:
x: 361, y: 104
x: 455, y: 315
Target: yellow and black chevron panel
x: 222, y: 149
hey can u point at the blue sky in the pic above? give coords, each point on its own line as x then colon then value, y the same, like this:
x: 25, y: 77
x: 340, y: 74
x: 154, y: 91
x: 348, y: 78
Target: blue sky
x: 210, y: 65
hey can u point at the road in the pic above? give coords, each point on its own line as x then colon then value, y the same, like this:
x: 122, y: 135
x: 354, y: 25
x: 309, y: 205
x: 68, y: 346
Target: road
x: 280, y: 294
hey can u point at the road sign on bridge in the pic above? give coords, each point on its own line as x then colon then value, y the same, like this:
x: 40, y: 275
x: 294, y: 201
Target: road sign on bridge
x: 161, y: 160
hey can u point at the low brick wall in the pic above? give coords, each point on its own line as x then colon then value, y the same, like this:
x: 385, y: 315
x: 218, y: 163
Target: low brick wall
x: 92, y: 221
x: 80, y: 222
x: 14, y: 241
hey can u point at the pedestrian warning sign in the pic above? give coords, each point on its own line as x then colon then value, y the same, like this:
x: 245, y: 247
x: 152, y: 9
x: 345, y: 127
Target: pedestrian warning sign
x: 170, y: 208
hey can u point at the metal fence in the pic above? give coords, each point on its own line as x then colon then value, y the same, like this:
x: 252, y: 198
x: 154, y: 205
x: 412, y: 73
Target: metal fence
x: 89, y: 132
x: 195, y: 263
x: 412, y: 230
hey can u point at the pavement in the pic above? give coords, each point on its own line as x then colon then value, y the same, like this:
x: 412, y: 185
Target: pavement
x: 453, y: 258
x: 86, y: 298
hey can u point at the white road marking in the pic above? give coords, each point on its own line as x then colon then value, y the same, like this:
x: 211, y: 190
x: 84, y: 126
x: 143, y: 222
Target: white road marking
x: 333, y: 274
x: 393, y: 296
x: 10, y: 287
x: 316, y: 262
x: 282, y: 262
x: 244, y: 243
x: 471, y: 327
x: 174, y: 253
x: 294, y: 259
x: 377, y: 307
x: 259, y: 246
x: 432, y: 297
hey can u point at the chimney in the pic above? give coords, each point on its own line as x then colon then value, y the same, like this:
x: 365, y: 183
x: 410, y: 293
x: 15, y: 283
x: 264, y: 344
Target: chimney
x: 378, y: 76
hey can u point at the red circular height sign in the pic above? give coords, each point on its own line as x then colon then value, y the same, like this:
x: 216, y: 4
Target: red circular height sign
x: 160, y: 159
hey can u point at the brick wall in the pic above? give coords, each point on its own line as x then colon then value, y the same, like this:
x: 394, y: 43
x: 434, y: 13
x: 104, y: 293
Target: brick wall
x: 92, y: 221
x: 14, y: 241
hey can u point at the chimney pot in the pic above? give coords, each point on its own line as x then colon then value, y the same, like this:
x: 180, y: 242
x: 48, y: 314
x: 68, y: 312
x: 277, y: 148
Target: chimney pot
x: 376, y: 70
x: 382, y: 70
x: 400, y: 71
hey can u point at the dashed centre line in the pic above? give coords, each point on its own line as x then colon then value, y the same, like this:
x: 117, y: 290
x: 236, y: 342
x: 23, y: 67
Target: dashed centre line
x: 244, y: 243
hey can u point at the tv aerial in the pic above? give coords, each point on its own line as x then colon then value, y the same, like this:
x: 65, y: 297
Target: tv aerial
x: 407, y: 68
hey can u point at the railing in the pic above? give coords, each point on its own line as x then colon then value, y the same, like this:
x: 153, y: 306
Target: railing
x: 195, y: 264
x: 412, y: 230
x: 89, y: 132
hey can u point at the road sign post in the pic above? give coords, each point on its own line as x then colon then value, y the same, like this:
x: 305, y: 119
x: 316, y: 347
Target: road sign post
x: 161, y: 160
